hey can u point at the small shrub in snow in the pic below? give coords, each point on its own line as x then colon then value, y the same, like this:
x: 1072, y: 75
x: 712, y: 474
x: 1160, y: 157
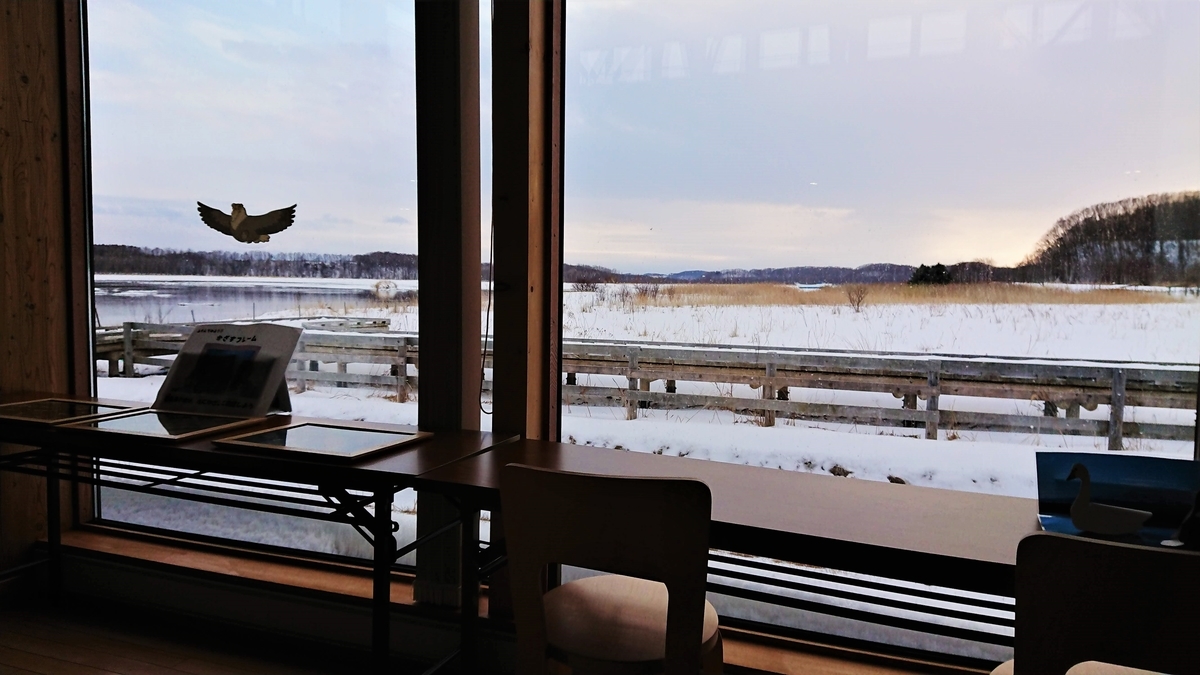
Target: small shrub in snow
x: 856, y: 294
x: 840, y: 471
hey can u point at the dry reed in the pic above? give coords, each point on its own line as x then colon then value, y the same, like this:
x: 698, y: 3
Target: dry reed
x: 683, y: 295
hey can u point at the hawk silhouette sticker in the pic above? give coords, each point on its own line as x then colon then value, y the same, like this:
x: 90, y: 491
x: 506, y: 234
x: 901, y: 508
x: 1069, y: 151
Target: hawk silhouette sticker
x: 244, y: 227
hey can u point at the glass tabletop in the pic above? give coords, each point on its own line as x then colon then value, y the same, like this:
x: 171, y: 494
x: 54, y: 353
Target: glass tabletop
x: 158, y: 423
x: 326, y: 440
x: 55, y: 410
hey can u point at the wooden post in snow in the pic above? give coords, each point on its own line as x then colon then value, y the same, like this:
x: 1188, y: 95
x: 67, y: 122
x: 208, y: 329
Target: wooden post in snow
x: 634, y: 385
x: 301, y: 383
x: 128, y: 354
x: 1116, y: 412
x: 768, y: 393
x: 932, y: 416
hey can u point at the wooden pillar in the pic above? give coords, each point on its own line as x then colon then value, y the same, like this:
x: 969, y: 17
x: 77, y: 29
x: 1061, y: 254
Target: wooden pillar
x: 45, y: 288
x: 447, y: 78
x: 447, y: 83
x: 527, y: 108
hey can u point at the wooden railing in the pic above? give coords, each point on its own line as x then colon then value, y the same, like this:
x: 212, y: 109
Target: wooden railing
x: 1058, y: 385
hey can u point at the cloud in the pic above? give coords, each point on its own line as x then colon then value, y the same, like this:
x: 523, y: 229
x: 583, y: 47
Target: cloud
x: 399, y: 220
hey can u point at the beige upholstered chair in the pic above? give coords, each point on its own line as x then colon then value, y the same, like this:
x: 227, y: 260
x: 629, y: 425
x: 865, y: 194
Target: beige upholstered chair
x: 649, y: 614
x: 1085, y: 605
x: 1085, y: 668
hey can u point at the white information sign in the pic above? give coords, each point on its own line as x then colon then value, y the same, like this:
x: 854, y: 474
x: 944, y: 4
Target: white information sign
x: 231, y: 369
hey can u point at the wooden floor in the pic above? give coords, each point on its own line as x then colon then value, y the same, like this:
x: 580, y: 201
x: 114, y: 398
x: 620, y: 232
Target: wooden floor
x: 42, y: 641
x: 37, y: 640
x: 99, y: 640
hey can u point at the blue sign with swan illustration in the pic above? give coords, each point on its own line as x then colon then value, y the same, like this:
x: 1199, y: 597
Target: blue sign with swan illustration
x: 1115, y: 487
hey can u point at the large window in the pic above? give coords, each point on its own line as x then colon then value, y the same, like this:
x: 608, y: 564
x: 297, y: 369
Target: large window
x: 264, y: 105
x: 812, y: 225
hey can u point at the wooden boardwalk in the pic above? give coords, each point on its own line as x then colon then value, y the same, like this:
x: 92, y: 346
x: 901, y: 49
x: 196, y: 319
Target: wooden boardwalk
x: 1061, y: 387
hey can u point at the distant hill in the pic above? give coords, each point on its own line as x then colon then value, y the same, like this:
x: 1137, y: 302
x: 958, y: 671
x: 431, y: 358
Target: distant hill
x: 866, y: 274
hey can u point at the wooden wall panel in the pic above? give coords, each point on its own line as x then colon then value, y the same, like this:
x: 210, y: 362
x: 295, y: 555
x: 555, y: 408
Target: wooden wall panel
x: 44, y: 335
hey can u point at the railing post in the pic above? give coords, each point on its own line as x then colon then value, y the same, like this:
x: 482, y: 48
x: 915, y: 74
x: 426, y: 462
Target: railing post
x: 1116, y: 411
x: 128, y: 353
x: 301, y: 383
x: 634, y: 385
x: 768, y: 394
x: 932, y: 415
x: 400, y: 370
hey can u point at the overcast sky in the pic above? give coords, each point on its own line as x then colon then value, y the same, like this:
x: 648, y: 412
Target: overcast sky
x: 711, y: 135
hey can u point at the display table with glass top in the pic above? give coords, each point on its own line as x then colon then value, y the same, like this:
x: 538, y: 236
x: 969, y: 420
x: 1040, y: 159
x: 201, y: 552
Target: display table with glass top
x: 943, y: 538
x: 338, y: 471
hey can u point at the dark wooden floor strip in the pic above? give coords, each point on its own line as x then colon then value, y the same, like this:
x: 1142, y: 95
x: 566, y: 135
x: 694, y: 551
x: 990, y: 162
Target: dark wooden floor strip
x: 46, y: 642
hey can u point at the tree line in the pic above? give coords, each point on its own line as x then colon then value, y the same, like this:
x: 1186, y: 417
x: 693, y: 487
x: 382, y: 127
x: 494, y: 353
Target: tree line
x: 1142, y: 240
x: 113, y: 259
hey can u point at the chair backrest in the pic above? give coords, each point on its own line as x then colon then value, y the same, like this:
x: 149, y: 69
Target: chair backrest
x: 652, y: 528
x: 1089, y: 600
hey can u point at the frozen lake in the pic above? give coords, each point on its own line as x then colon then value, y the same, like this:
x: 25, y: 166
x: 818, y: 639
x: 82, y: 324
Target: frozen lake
x: 164, y: 299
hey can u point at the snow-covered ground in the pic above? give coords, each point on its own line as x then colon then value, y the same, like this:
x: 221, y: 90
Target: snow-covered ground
x: 1155, y: 332
x: 1000, y: 463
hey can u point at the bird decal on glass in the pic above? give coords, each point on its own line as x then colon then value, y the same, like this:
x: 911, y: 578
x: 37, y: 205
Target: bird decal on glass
x: 246, y: 228
x: 1101, y: 518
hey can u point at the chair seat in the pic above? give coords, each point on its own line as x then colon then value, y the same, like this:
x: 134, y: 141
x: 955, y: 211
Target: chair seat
x: 1085, y: 668
x: 614, y: 618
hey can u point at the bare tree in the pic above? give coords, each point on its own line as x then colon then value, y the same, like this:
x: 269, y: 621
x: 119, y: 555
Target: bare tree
x: 857, y: 295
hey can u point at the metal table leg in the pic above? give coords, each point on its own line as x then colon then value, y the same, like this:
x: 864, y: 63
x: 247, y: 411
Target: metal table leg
x: 53, y: 528
x: 469, y: 589
x: 381, y: 592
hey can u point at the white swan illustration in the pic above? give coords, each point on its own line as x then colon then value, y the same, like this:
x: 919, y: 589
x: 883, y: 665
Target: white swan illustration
x: 1101, y: 518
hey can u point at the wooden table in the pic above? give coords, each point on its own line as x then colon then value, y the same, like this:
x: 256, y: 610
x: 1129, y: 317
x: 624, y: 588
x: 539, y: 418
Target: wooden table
x: 88, y: 457
x: 941, y: 537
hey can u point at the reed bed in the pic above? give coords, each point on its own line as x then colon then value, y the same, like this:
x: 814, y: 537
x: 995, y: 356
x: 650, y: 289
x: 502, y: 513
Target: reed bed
x: 758, y: 295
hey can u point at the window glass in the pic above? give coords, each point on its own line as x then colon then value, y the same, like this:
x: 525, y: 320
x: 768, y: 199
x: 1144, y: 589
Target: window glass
x: 891, y: 241
x: 248, y: 108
